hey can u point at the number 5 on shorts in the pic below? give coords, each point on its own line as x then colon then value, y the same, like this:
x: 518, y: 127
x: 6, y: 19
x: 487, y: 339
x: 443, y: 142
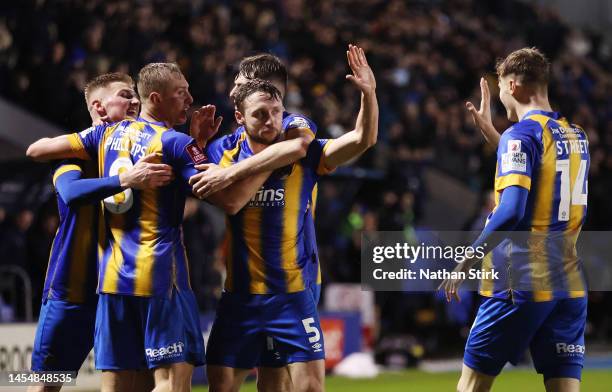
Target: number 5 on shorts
x: 309, y: 328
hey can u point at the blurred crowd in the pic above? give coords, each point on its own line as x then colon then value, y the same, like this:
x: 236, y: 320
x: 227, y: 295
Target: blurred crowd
x: 427, y: 55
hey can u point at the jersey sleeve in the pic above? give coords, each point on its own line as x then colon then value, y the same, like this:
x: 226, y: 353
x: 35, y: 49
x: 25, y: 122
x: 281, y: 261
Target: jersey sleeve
x: 72, y: 188
x: 182, y: 153
x: 314, y: 157
x: 224, y: 151
x: 214, y: 150
x: 517, y: 154
x: 299, y: 121
x: 85, y: 143
x: 65, y: 167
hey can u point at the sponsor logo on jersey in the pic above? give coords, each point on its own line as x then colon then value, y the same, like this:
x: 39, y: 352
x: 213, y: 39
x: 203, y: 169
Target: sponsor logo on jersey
x: 171, y: 351
x: 570, y: 350
x: 317, y: 347
x: 268, y: 198
x: 83, y: 134
x: 514, y: 159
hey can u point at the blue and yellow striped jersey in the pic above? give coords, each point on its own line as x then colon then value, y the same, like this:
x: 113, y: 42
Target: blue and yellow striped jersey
x: 549, y: 157
x: 72, y: 269
x: 271, y: 240
x: 142, y: 251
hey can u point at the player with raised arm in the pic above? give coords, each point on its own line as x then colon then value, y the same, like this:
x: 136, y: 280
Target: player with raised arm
x: 268, y: 303
x: 147, y: 315
x: 65, y: 331
x: 298, y: 132
x: 541, y: 194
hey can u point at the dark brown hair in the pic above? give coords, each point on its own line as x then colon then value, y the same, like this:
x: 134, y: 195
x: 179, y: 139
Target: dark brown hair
x: 264, y: 66
x: 528, y: 64
x: 252, y: 87
x: 104, y: 80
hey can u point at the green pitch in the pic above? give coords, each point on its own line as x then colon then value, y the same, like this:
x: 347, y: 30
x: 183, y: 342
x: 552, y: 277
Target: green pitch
x: 418, y: 381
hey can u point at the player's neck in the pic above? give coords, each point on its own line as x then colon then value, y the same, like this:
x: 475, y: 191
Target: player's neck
x: 254, y: 146
x: 535, y: 103
x: 149, y: 115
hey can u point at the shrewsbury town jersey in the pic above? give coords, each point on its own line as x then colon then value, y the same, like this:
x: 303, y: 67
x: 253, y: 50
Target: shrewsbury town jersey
x: 272, y: 248
x: 142, y: 250
x: 549, y: 157
x: 71, y: 273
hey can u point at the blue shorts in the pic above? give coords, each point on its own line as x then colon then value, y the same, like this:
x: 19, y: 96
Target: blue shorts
x: 64, y: 336
x: 553, y: 331
x: 265, y: 330
x: 146, y: 332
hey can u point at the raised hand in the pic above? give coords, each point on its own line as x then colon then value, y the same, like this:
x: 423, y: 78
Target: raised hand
x: 482, y: 117
x: 147, y: 173
x: 204, y: 125
x: 362, y: 76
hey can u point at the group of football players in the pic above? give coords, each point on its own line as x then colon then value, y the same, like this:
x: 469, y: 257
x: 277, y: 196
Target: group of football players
x: 118, y: 277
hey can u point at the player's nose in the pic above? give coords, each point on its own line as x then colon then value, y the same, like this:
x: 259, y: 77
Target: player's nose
x: 189, y: 99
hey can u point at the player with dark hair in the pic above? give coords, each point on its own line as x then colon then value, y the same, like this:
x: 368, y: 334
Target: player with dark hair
x: 298, y: 132
x: 268, y: 304
x: 65, y: 331
x: 541, y: 194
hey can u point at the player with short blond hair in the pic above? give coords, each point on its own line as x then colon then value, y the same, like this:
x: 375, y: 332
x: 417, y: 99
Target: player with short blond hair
x: 65, y: 330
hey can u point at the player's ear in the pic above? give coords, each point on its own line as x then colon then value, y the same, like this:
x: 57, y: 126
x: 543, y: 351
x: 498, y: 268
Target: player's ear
x: 97, y: 107
x: 512, y: 86
x: 239, y: 117
x: 155, y: 98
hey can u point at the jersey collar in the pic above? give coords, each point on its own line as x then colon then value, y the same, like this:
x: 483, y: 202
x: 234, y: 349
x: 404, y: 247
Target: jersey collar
x: 158, y: 123
x: 554, y: 115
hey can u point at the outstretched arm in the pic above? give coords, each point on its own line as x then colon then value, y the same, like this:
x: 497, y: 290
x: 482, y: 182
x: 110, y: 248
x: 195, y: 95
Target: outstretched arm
x: 59, y: 147
x: 506, y: 216
x: 482, y: 116
x: 145, y: 174
x: 365, y: 134
x: 214, y: 179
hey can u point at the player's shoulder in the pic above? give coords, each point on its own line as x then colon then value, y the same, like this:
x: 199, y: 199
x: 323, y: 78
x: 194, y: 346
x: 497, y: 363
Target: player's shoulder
x: 69, y: 164
x: 174, y: 137
x: 228, y: 142
x: 73, y: 166
x: 297, y: 120
x: 527, y: 130
x: 100, y: 128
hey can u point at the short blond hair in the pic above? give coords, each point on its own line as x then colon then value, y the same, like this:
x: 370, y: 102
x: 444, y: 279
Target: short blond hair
x: 153, y: 77
x: 104, y: 80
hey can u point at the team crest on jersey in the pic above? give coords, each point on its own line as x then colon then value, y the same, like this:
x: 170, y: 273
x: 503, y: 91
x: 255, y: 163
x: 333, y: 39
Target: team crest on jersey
x: 514, y: 145
x: 196, y: 154
x: 298, y: 122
